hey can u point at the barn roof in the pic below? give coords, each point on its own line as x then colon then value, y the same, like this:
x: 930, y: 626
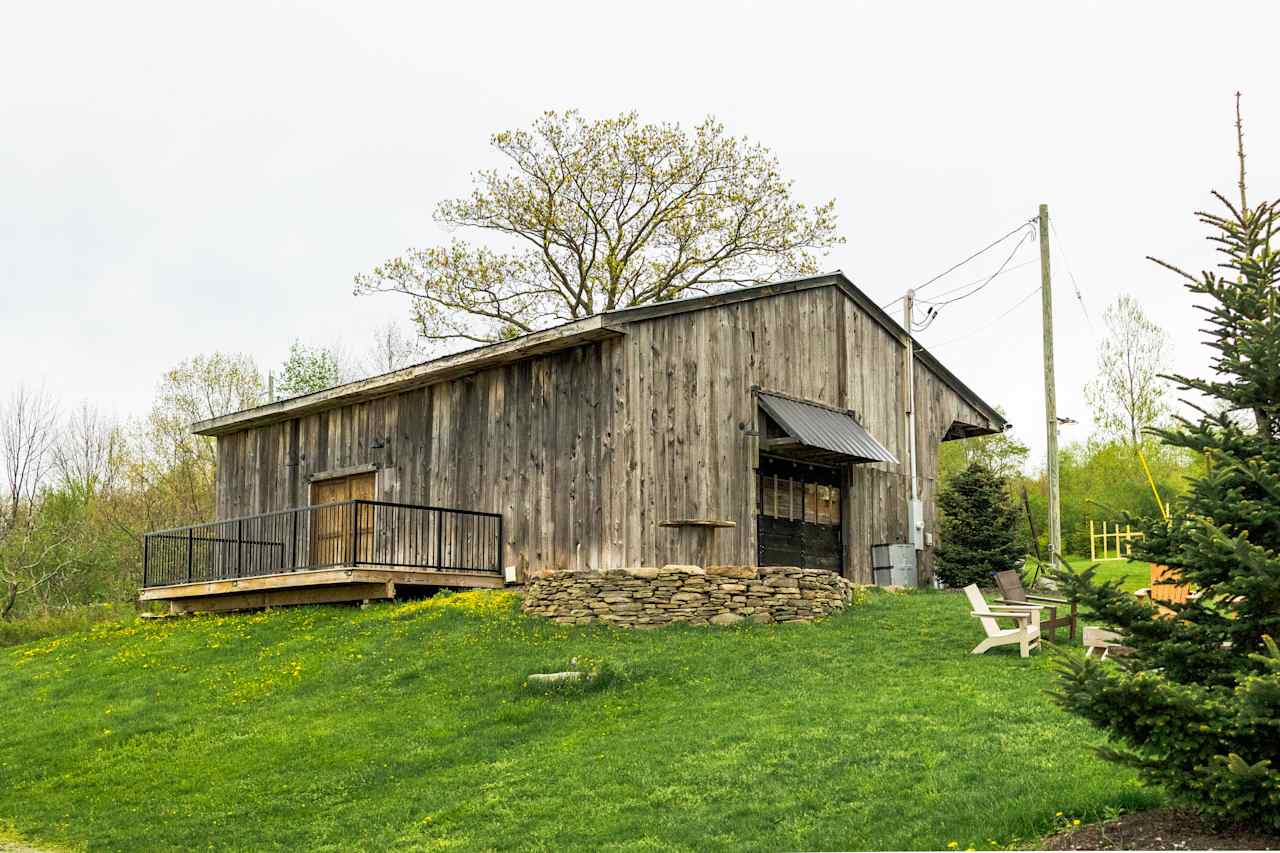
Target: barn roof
x: 596, y: 327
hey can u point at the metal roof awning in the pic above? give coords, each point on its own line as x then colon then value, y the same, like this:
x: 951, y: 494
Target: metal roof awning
x: 818, y: 433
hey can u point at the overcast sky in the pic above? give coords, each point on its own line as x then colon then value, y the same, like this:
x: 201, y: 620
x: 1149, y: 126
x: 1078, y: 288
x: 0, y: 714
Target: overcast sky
x: 182, y: 178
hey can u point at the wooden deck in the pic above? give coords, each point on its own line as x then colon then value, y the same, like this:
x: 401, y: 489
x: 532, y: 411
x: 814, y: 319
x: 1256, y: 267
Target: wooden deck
x: 313, y: 586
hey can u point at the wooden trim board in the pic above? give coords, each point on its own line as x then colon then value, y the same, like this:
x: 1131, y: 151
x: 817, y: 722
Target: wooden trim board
x: 438, y: 370
x: 284, y: 597
x: 575, y: 333
x: 341, y: 575
x: 338, y: 473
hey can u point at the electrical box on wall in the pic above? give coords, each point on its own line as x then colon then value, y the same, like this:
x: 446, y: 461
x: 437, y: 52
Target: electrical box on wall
x: 894, y: 565
x: 917, y: 524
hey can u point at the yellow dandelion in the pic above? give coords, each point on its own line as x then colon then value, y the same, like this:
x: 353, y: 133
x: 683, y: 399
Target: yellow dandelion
x: 951, y: 845
x: 1075, y: 822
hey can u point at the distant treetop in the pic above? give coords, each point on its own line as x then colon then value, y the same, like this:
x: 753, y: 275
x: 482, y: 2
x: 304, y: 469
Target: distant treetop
x: 589, y: 216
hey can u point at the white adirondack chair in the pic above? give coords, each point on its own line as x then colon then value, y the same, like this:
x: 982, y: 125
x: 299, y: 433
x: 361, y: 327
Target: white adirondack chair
x: 1027, y: 616
x: 1103, y: 641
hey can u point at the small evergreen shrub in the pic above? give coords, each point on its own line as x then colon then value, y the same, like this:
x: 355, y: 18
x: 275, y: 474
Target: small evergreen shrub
x: 978, y: 528
x: 1196, y: 707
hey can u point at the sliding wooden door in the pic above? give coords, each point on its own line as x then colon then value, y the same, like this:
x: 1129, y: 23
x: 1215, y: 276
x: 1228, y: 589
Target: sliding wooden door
x: 332, y: 527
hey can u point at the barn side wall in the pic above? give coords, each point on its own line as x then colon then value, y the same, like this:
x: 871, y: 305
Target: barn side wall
x: 530, y: 440
x: 684, y: 427
x: 587, y: 451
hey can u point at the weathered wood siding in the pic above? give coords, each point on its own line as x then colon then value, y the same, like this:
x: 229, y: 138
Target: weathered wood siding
x: 683, y: 428
x: 529, y: 440
x: 585, y: 452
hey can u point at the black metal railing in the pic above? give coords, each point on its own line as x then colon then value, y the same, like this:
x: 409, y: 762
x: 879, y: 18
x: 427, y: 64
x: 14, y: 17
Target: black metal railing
x: 349, y: 533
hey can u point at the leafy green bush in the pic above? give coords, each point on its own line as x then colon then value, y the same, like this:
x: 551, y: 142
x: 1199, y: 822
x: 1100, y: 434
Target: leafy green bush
x: 977, y: 528
x: 14, y: 632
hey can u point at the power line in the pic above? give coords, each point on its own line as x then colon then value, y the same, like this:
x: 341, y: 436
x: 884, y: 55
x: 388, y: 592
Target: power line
x: 1066, y: 262
x: 957, y: 266
x: 961, y: 287
x: 935, y: 308
x: 1025, y: 236
x: 986, y: 326
x: 929, y: 317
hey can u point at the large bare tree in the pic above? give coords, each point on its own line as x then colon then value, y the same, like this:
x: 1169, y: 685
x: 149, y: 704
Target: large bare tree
x: 394, y: 346
x: 590, y: 216
x: 28, y: 435
x: 1128, y: 395
x: 88, y: 445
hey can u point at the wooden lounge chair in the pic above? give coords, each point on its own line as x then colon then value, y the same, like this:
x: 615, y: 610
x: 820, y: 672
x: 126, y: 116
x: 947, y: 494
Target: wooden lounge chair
x: 1027, y: 617
x: 1166, y: 589
x: 1009, y: 585
x: 1105, y: 642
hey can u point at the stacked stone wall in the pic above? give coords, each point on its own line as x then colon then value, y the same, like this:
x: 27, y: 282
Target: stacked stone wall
x: 717, y: 595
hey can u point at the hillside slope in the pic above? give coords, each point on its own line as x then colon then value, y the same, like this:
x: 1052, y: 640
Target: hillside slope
x: 407, y: 726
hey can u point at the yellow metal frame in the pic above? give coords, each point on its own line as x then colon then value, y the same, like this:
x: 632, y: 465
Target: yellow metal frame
x: 1122, y: 539
x: 1151, y: 482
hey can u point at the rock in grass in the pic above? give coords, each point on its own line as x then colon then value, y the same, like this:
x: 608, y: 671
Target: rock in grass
x: 732, y: 571
x: 554, y: 677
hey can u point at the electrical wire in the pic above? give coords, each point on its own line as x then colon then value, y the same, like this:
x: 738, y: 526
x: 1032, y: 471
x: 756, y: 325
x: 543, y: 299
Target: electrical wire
x: 1066, y: 262
x: 986, y: 326
x: 929, y: 317
x: 1025, y: 236
x: 961, y: 287
x: 976, y: 254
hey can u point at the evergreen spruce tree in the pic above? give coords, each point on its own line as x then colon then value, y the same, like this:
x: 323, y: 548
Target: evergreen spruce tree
x: 1196, y: 708
x: 978, y: 521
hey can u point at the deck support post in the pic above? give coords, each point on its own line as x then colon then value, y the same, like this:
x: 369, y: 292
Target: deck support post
x: 240, y: 547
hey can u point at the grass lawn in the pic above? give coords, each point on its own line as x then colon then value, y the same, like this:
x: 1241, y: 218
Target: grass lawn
x: 28, y: 629
x: 406, y: 726
x: 1134, y: 574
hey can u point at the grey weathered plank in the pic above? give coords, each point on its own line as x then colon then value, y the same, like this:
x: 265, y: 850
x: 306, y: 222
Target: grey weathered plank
x: 587, y: 448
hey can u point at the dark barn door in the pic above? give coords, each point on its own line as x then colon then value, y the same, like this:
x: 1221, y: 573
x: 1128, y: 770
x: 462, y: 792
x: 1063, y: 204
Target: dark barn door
x: 798, y: 515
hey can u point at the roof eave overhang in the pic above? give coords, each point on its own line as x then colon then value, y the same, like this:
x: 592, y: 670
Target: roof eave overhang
x: 576, y: 333
x: 834, y: 279
x: 460, y: 364
x: 929, y: 359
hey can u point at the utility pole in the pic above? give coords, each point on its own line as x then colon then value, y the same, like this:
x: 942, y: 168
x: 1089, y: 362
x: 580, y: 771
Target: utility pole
x: 915, y: 509
x: 1050, y: 393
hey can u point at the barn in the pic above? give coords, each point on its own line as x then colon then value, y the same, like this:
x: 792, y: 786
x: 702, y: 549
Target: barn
x: 793, y: 423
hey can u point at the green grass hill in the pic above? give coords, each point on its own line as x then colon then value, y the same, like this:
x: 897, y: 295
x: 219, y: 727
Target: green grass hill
x: 410, y: 726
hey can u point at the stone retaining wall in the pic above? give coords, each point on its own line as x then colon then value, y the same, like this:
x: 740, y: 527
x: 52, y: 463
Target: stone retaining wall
x: 718, y: 595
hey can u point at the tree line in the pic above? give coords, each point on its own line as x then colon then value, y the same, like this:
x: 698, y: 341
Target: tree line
x: 587, y: 215
x: 80, y: 486
x: 1102, y: 477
